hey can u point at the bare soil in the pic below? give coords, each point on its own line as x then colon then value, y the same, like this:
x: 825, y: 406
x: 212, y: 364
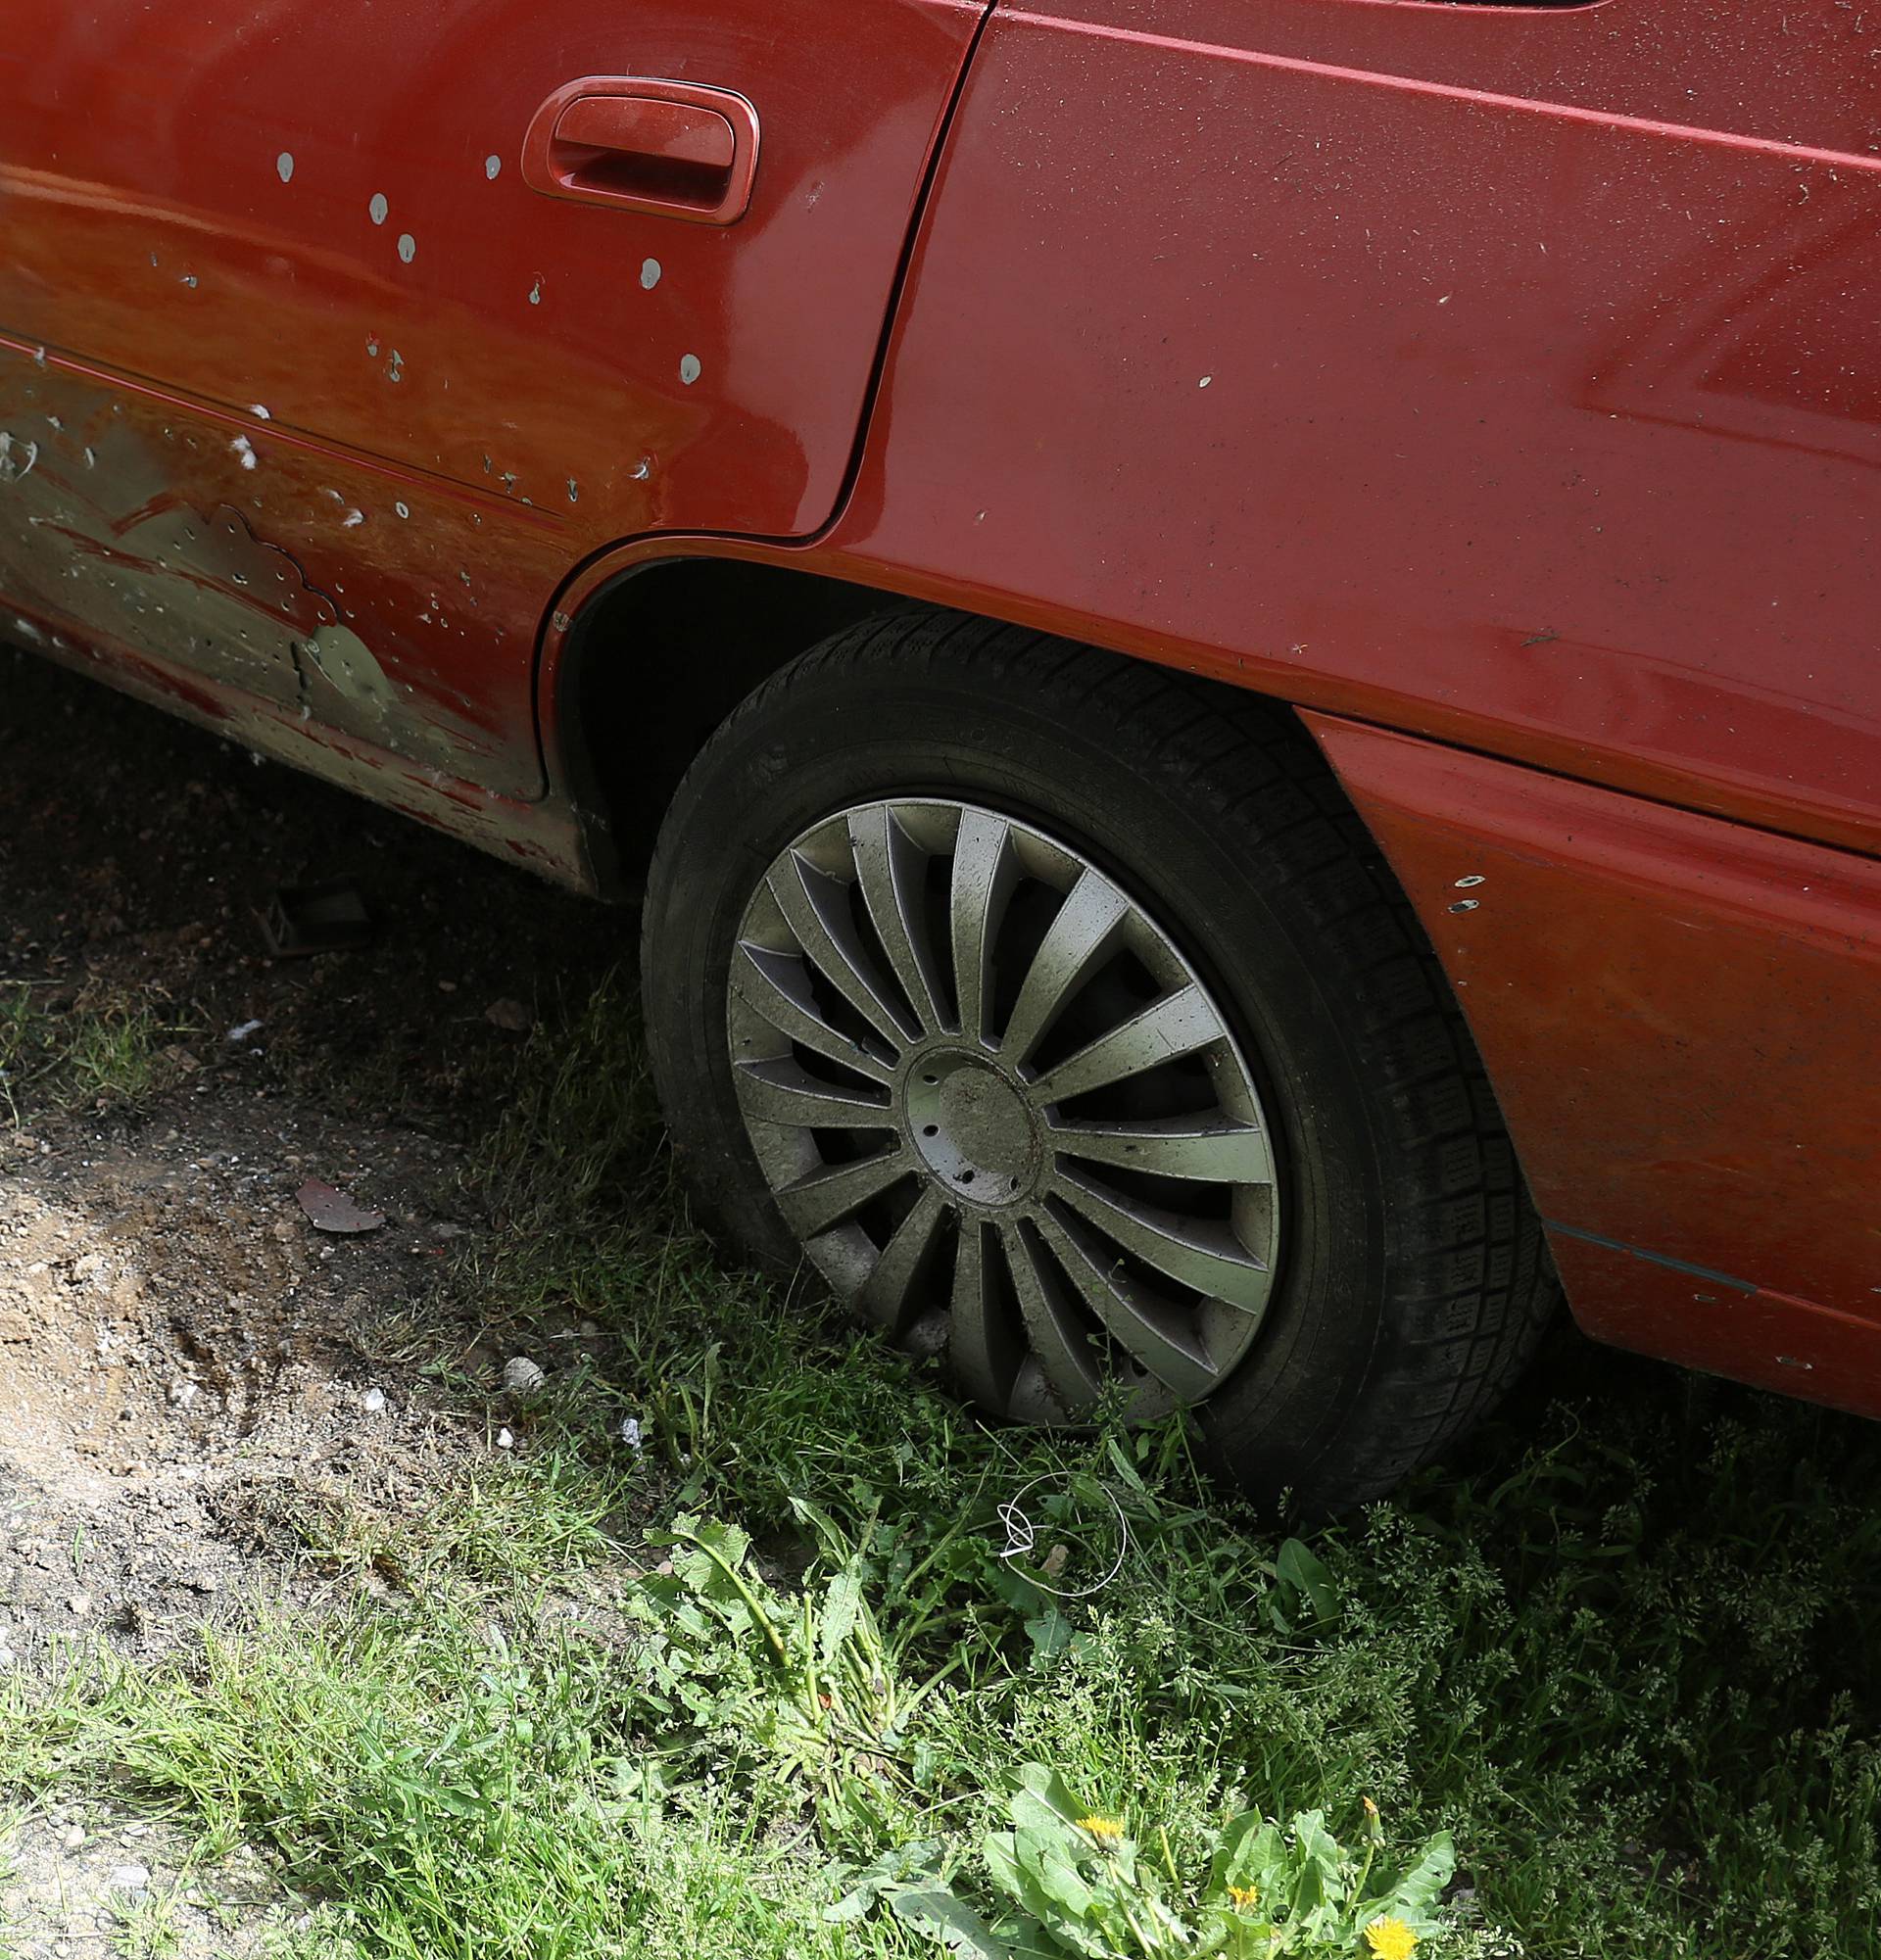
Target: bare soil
x: 183, y: 1355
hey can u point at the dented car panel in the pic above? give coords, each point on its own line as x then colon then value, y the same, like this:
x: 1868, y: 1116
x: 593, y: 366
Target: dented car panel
x: 136, y: 526
x: 309, y: 397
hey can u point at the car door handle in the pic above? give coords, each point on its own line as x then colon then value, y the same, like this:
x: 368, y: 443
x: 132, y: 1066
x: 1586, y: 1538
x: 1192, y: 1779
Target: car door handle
x: 667, y: 147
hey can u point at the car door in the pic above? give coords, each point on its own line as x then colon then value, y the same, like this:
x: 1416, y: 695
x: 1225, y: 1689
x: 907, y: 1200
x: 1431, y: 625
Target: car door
x: 333, y: 336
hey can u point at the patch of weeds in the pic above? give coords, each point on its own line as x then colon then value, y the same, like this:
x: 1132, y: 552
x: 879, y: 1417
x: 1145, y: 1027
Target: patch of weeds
x: 147, y: 1928
x: 1076, y: 1884
x: 1620, y: 1652
x: 506, y: 1518
x: 112, y: 1052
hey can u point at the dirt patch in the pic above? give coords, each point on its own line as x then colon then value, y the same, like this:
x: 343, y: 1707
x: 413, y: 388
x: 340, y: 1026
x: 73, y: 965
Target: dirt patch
x: 80, y: 1881
x: 188, y: 1363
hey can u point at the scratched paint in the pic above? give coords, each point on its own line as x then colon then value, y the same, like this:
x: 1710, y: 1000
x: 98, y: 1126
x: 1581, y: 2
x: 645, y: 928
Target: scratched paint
x: 689, y: 369
x: 378, y: 208
x: 284, y: 166
x: 650, y: 271
x: 407, y: 246
x: 98, y: 535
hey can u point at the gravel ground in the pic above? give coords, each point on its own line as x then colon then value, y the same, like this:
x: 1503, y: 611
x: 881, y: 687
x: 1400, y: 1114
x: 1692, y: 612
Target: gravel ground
x: 76, y: 1880
x: 186, y: 1361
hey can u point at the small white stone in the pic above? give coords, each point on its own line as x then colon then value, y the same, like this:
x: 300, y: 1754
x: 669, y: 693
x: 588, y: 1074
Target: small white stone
x: 78, y: 1604
x: 630, y: 1433
x: 130, y: 1878
x: 373, y: 1400
x: 521, y: 1375
x: 504, y: 1441
x: 72, y: 1836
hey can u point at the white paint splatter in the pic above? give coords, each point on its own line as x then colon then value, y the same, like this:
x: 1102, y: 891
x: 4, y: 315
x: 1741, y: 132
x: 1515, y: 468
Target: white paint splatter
x: 256, y: 408
x: 378, y: 208
x: 649, y: 273
x: 575, y: 491
x: 244, y: 448
x: 404, y: 510
x: 491, y: 166
x: 351, y: 518
x: 407, y: 246
x: 535, y: 294
x: 689, y: 368
x: 284, y: 163
x: 1205, y: 380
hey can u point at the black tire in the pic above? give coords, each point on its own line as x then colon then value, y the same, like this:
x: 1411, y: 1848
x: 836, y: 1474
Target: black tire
x: 1413, y: 1280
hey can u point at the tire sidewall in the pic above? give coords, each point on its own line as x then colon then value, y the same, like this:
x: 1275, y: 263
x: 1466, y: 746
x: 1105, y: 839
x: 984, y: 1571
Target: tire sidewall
x: 821, y: 742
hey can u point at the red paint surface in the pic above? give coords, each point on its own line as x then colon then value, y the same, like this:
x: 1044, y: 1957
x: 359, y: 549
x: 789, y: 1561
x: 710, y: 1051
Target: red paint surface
x: 519, y: 382
x: 1540, y: 408
x: 1680, y: 1017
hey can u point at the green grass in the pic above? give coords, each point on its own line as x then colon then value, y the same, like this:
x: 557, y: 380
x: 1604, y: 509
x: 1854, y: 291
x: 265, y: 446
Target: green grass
x: 109, y: 1053
x: 1623, y: 1652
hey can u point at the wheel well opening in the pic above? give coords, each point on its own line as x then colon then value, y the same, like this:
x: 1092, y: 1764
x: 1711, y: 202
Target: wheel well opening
x: 656, y: 662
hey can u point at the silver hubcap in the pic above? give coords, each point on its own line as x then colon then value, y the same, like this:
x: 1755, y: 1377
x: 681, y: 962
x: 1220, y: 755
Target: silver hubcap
x: 1000, y: 1112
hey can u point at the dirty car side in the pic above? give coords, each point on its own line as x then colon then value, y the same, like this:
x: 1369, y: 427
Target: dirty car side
x: 1493, y: 384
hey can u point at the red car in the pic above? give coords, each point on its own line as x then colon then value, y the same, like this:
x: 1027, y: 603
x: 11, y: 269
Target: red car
x: 1234, y: 640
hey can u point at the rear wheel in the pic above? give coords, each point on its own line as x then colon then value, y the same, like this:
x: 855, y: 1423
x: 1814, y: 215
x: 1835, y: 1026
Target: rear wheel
x: 1061, y: 1014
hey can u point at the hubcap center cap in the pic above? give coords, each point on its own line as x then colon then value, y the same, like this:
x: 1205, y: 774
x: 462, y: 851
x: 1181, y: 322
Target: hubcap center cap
x: 972, y: 1127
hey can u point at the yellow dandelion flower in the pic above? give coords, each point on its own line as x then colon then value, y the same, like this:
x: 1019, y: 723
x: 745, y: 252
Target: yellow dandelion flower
x: 1370, y: 1808
x: 1244, y: 1896
x: 1106, y: 1830
x: 1390, y: 1938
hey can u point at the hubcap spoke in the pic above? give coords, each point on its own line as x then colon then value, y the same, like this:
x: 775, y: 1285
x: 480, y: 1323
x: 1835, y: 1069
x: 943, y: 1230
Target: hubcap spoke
x: 983, y: 876
x: 1175, y: 1026
x: 816, y: 908
x: 776, y: 987
x: 960, y: 1048
x: 983, y: 1346
x: 1084, y: 932
x: 1057, y: 1336
x: 1210, y: 1150
x: 1196, y: 1253
x: 825, y: 1198
x: 783, y: 1092
x: 1139, y: 1325
x: 892, y: 1294
x: 891, y: 867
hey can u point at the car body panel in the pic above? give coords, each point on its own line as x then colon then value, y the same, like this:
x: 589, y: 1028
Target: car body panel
x: 272, y: 278
x: 1680, y: 1020
x: 1514, y: 405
